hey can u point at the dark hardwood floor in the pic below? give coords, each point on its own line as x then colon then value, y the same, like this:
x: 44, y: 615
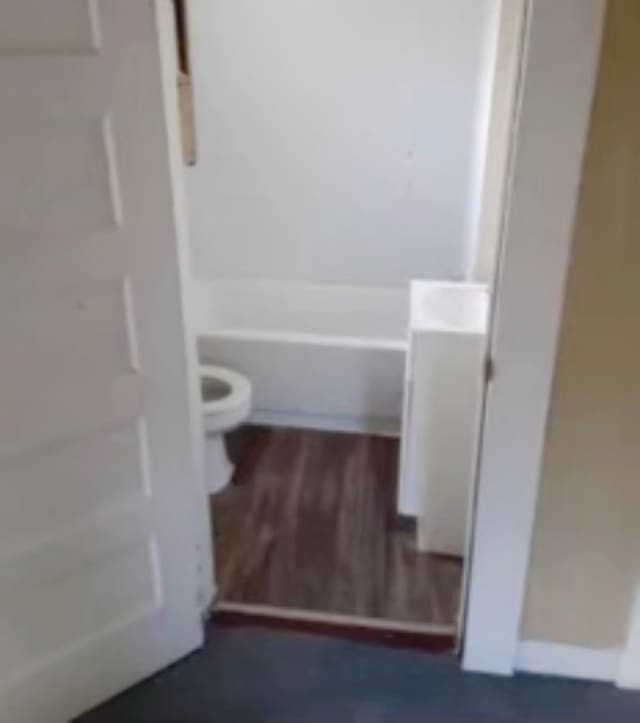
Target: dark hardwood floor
x: 309, y: 522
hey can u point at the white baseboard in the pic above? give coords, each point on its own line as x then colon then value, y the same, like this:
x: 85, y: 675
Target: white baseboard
x: 568, y: 661
x: 629, y: 671
x: 381, y: 427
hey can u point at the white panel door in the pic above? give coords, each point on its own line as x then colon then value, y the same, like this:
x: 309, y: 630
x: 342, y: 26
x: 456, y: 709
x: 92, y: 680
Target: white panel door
x: 98, y: 565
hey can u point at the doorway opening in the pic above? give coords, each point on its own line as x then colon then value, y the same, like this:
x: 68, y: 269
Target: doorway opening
x: 340, y: 307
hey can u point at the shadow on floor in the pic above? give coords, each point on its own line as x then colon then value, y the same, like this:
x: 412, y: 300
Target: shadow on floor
x: 253, y: 675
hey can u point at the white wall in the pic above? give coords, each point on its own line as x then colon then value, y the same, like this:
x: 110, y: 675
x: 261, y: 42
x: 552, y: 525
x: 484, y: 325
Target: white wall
x: 336, y: 137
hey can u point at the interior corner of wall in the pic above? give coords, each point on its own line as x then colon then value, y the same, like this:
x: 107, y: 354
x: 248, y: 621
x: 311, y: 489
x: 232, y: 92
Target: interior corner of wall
x: 475, y: 251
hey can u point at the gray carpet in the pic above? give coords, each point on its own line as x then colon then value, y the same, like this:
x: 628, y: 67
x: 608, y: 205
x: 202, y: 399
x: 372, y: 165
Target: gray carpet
x: 249, y: 675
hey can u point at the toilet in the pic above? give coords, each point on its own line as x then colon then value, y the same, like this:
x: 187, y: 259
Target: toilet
x: 226, y: 403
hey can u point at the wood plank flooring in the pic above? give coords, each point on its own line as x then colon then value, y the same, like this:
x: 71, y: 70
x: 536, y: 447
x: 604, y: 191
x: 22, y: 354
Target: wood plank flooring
x: 309, y: 522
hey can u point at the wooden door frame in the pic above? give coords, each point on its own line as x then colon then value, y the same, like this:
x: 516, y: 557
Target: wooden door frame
x: 559, y: 65
x: 167, y: 41
x: 560, y: 53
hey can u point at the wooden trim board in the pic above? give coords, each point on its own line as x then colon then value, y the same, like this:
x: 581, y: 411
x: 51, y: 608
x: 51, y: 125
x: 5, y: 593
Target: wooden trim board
x: 560, y: 61
x: 567, y: 661
x: 434, y: 638
x: 628, y: 675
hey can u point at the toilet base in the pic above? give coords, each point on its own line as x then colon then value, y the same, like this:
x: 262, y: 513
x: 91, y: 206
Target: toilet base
x: 218, y: 468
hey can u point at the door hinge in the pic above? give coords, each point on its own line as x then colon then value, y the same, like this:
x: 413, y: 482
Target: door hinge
x: 489, y: 369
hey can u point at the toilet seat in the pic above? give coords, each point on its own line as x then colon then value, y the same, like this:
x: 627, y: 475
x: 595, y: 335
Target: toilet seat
x: 233, y: 406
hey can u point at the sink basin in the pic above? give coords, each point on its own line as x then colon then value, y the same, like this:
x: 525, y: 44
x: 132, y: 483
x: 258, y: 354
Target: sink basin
x: 449, y: 307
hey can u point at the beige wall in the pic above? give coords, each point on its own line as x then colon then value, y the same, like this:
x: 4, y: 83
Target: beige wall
x: 586, y: 551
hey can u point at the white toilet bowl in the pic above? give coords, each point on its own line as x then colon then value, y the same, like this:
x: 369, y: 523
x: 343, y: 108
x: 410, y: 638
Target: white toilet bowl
x: 226, y: 403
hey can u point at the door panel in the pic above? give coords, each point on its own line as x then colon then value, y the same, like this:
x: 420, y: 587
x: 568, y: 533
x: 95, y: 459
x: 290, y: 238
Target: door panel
x: 31, y: 26
x: 98, y: 566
